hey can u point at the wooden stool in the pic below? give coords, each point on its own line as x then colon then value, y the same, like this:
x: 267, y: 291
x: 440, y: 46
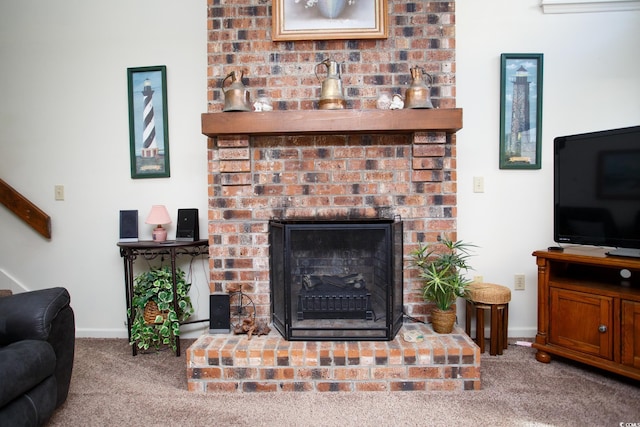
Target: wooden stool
x: 487, y: 296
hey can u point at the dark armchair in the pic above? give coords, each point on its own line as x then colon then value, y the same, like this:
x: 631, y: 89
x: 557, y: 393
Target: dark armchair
x: 37, y: 339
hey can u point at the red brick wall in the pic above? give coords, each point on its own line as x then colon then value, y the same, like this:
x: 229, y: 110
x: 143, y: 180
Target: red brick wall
x: 252, y: 180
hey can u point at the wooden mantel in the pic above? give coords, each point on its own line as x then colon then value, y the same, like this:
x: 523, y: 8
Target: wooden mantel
x: 331, y: 122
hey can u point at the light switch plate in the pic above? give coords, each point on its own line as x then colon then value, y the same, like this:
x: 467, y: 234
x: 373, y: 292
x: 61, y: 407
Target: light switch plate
x: 59, y: 192
x: 478, y: 184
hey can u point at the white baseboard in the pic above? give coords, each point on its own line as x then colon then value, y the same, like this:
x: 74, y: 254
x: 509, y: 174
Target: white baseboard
x: 186, y: 331
x: 523, y: 332
x: 520, y: 332
x: 101, y: 333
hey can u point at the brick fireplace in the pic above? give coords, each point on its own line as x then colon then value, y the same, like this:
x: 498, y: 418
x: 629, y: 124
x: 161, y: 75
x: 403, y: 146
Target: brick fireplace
x: 296, y: 169
x: 359, y: 163
x: 335, y: 166
x: 288, y: 165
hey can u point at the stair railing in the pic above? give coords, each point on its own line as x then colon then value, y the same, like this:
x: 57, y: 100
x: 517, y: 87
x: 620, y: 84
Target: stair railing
x: 25, y: 210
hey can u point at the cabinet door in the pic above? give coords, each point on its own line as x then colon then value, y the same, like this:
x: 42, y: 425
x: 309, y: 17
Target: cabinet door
x: 631, y: 333
x: 581, y: 322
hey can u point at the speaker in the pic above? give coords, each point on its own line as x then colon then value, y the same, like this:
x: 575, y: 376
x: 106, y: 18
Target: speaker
x: 129, y: 226
x: 187, y: 227
x: 219, y: 313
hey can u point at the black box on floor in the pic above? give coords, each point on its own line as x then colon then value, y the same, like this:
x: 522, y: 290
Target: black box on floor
x: 219, y: 313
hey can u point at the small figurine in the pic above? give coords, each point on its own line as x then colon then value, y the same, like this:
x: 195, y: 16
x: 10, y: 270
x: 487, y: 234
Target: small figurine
x: 384, y: 101
x: 397, y: 103
x: 263, y: 104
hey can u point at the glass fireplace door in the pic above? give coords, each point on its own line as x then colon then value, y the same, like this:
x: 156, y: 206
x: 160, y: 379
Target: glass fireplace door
x: 336, y: 280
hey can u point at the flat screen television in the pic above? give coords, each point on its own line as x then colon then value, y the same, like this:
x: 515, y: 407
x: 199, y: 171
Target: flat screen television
x: 597, y: 190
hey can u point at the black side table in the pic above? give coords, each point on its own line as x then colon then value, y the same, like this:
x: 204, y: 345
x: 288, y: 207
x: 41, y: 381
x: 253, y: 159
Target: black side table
x: 148, y: 249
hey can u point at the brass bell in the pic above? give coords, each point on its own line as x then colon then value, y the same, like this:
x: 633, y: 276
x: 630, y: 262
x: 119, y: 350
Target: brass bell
x: 236, y: 95
x: 418, y: 94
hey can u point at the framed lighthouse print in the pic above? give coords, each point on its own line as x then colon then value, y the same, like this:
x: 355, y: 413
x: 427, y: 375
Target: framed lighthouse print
x: 148, y: 124
x: 520, y: 110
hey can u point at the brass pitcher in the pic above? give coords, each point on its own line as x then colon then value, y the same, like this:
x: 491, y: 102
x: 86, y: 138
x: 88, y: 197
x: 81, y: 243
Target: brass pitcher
x: 236, y: 95
x: 418, y: 94
x: 331, y: 96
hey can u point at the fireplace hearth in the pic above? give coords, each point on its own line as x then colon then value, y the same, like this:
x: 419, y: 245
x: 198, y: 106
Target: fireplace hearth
x: 336, y: 279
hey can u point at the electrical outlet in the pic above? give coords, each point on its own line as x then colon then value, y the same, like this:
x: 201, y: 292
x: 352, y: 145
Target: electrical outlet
x: 518, y: 282
x: 478, y: 279
x: 59, y: 192
x: 478, y: 184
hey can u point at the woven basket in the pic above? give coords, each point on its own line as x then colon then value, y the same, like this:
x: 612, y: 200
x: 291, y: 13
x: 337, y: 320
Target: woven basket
x: 443, y: 321
x: 151, y: 311
x: 489, y: 293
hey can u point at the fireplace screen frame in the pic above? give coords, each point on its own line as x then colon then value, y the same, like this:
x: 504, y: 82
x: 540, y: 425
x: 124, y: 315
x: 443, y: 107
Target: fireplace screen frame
x: 357, y: 323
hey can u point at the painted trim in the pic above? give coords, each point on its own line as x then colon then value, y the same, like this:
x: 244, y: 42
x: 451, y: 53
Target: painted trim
x: 583, y: 6
x: 101, y: 333
x: 122, y: 332
x: 7, y: 281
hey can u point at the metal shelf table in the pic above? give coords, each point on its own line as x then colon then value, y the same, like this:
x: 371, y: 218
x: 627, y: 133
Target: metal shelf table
x: 149, y: 249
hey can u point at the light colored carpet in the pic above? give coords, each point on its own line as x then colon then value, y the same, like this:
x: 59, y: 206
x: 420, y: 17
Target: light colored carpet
x: 112, y: 388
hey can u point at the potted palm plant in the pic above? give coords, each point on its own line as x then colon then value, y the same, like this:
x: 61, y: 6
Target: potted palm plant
x: 442, y: 270
x: 155, y: 322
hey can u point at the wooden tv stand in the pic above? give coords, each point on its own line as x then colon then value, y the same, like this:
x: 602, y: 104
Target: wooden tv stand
x: 587, y: 311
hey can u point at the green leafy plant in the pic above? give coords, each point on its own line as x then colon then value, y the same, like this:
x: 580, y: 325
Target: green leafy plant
x: 156, y: 285
x: 442, y: 270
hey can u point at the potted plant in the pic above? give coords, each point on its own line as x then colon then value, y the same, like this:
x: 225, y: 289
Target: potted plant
x: 442, y: 272
x: 155, y: 322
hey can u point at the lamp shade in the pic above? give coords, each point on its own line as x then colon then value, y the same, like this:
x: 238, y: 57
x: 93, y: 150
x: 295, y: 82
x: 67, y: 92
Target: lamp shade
x: 158, y: 215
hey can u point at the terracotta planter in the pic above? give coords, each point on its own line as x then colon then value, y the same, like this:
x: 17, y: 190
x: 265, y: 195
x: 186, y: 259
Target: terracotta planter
x: 443, y: 320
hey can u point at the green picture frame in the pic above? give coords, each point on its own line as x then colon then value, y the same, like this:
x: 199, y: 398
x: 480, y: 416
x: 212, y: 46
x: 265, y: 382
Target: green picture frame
x: 148, y: 122
x: 521, y: 110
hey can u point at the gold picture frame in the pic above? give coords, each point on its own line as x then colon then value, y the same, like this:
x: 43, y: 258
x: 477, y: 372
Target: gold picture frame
x: 329, y: 20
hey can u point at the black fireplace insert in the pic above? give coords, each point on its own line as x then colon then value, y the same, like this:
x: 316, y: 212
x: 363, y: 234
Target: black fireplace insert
x: 336, y: 280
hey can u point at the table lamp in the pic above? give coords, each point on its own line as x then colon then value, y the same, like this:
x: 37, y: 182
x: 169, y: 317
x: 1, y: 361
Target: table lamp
x: 159, y: 215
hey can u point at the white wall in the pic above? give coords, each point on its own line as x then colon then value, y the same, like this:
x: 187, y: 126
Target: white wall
x: 591, y: 82
x: 64, y: 120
